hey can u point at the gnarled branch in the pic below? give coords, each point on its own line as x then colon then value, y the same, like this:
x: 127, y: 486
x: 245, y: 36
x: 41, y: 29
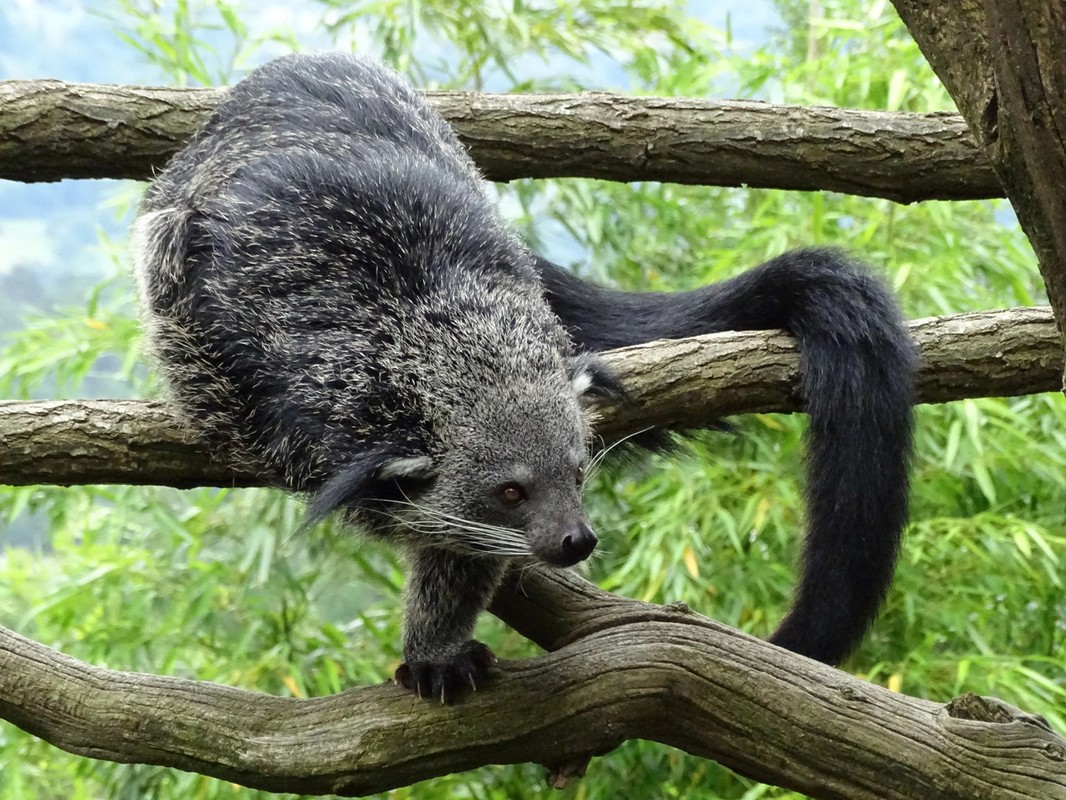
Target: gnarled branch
x: 627, y: 670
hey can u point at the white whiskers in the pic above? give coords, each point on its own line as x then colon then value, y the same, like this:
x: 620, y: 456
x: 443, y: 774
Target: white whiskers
x: 440, y: 528
x: 597, y: 459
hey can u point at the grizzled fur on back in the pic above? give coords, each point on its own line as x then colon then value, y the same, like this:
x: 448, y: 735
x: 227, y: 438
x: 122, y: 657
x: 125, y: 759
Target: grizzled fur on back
x: 323, y: 273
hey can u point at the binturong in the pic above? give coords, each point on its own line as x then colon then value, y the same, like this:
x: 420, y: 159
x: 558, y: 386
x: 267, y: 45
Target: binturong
x: 336, y: 305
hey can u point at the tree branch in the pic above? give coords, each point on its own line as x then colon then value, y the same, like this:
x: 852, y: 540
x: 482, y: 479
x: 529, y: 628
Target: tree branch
x: 681, y: 382
x: 632, y: 670
x: 51, y: 130
x: 1001, y: 61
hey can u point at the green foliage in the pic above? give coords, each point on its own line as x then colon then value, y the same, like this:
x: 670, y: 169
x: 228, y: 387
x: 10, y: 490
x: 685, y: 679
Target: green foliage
x: 213, y: 584
x: 477, y: 43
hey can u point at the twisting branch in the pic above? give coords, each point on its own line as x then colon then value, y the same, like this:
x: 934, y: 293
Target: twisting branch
x: 687, y: 381
x: 629, y: 670
x: 51, y: 130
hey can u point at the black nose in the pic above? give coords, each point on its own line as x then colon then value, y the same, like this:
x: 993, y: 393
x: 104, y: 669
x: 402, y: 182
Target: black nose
x: 578, y: 543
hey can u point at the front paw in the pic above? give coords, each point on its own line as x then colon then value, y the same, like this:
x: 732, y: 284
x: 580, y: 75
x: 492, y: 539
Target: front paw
x: 445, y: 679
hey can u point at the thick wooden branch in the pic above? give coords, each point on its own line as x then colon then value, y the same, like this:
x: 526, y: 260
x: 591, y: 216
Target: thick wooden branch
x: 632, y: 671
x: 1029, y: 130
x: 683, y: 382
x: 954, y: 40
x: 1002, y: 62
x: 51, y: 130
x: 692, y: 381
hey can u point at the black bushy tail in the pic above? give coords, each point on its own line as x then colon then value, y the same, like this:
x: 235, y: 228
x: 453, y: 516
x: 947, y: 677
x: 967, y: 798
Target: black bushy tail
x: 858, y: 370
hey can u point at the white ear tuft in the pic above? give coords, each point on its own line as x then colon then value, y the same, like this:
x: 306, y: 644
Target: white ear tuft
x: 581, y: 381
x: 594, y: 383
x: 414, y: 467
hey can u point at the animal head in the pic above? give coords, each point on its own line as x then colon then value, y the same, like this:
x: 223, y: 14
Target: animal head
x: 503, y: 476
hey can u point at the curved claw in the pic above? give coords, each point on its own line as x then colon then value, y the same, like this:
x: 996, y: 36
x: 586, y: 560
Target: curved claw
x: 446, y: 679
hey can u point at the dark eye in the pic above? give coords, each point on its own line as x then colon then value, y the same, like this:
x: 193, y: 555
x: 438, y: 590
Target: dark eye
x: 579, y: 476
x: 511, y: 494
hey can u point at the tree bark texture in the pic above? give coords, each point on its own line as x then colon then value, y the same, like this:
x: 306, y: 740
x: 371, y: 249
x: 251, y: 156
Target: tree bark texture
x: 623, y: 670
x: 1002, y: 61
x: 674, y: 383
x: 51, y: 130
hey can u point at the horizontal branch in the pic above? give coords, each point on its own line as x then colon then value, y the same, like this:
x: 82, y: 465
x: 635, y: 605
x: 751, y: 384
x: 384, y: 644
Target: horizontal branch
x: 689, y: 382
x: 634, y: 671
x: 51, y: 130
x: 685, y: 382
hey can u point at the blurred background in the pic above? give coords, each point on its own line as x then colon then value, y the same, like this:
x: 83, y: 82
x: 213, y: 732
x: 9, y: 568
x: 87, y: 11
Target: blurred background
x: 216, y: 585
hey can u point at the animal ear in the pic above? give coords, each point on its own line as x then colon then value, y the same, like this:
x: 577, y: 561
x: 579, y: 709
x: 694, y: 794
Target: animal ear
x: 362, y: 478
x: 594, y: 382
x: 597, y: 384
x: 419, y: 468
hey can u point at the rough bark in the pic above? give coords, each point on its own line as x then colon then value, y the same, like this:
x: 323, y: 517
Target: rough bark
x: 627, y: 670
x: 105, y: 441
x: 697, y: 380
x: 1002, y: 62
x: 681, y: 382
x: 51, y: 130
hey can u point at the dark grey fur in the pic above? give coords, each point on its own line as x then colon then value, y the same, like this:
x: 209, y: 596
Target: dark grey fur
x: 336, y: 304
